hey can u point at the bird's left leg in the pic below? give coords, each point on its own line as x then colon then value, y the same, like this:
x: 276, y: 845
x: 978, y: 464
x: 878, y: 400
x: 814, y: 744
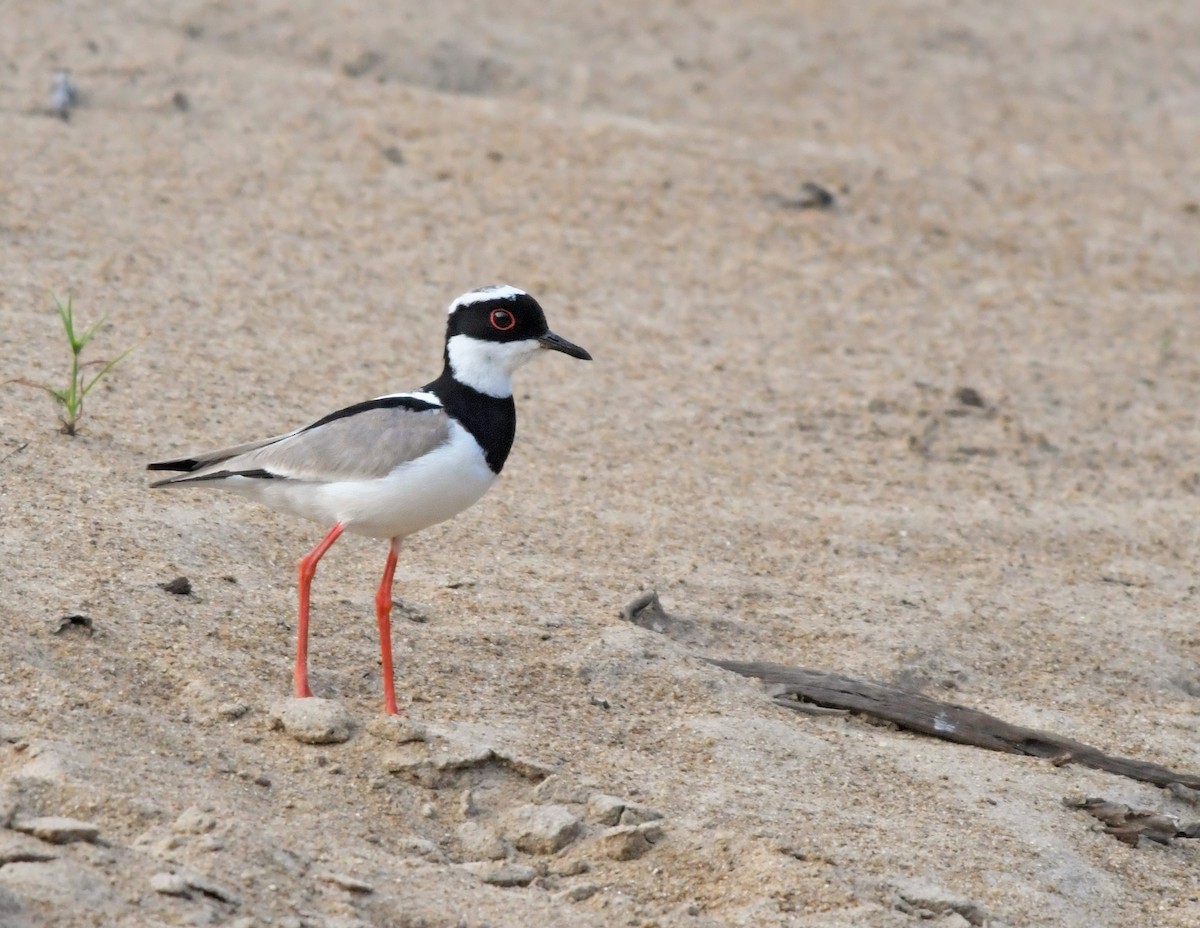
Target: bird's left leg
x: 383, y: 612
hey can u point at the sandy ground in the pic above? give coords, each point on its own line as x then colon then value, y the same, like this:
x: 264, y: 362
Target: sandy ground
x: 274, y: 202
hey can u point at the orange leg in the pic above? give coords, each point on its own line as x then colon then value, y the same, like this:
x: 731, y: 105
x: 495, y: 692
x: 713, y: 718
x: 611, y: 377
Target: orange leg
x: 383, y: 611
x: 308, y: 570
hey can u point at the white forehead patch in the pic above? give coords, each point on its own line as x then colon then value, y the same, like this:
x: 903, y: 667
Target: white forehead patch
x: 494, y: 292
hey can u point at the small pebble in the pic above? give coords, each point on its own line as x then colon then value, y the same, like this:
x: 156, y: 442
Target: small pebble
x: 542, y: 829
x: 579, y: 893
x: 635, y: 813
x: 812, y: 196
x: 396, y: 728
x: 180, y: 586
x: 313, y: 720
x: 57, y: 829
x: 232, y: 710
x: 63, y: 96
x: 604, y: 809
x: 214, y: 890
x: 74, y: 623
x: 509, y: 875
x: 969, y: 396
x: 170, y: 884
x: 627, y: 842
x: 16, y: 849
x: 480, y: 842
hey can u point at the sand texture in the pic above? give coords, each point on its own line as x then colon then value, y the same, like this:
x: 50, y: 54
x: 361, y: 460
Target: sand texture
x: 939, y: 433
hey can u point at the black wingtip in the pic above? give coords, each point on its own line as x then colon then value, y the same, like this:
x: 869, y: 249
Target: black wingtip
x: 183, y: 464
x: 257, y: 474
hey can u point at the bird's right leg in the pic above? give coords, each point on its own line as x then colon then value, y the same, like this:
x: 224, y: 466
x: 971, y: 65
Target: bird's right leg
x: 383, y: 611
x: 308, y: 570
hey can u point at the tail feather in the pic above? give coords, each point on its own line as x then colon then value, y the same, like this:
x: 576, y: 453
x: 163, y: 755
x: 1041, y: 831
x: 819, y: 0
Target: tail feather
x: 186, y: 466
x: 210, y: 461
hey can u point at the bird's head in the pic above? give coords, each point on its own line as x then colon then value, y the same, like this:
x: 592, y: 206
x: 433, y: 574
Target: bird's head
x: 494, y: 330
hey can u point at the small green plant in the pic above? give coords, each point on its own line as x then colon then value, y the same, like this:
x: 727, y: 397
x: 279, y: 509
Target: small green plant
x: 70, y: 398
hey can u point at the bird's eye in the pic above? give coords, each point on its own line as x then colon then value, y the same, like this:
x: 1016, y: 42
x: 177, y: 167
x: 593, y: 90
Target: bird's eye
x: 503, y: 320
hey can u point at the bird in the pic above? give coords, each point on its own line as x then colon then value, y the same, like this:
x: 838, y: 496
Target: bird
x: 391, y: 466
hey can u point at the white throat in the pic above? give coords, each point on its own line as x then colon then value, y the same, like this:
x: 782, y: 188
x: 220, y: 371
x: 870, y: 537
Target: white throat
x: 488, y: 366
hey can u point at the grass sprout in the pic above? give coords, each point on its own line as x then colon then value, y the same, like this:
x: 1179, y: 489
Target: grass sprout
x: 70, y: 398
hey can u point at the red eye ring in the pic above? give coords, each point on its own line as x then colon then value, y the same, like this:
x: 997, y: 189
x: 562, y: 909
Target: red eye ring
x: 502, y: 319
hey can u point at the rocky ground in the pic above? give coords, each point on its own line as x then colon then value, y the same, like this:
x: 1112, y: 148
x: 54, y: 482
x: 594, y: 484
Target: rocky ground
x: 932, y: 423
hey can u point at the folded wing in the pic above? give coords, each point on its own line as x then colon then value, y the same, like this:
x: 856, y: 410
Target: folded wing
x: 362, y: 442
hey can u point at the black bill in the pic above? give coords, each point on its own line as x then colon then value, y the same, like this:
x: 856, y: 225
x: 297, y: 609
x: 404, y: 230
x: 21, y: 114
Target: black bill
x: 558, y: 343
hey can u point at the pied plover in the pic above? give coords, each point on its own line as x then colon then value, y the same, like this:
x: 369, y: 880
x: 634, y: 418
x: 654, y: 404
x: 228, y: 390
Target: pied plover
x: 391, y: 466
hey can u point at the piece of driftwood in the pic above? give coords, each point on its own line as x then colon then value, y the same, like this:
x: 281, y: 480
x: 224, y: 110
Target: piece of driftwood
x: 945, y: 720
x: 1130, y: 825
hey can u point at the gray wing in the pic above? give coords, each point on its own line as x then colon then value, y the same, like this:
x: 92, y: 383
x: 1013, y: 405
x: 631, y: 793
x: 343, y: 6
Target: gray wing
x: 359, y: 445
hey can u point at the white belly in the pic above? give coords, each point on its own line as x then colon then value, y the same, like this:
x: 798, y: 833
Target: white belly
x: 414, y: 496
